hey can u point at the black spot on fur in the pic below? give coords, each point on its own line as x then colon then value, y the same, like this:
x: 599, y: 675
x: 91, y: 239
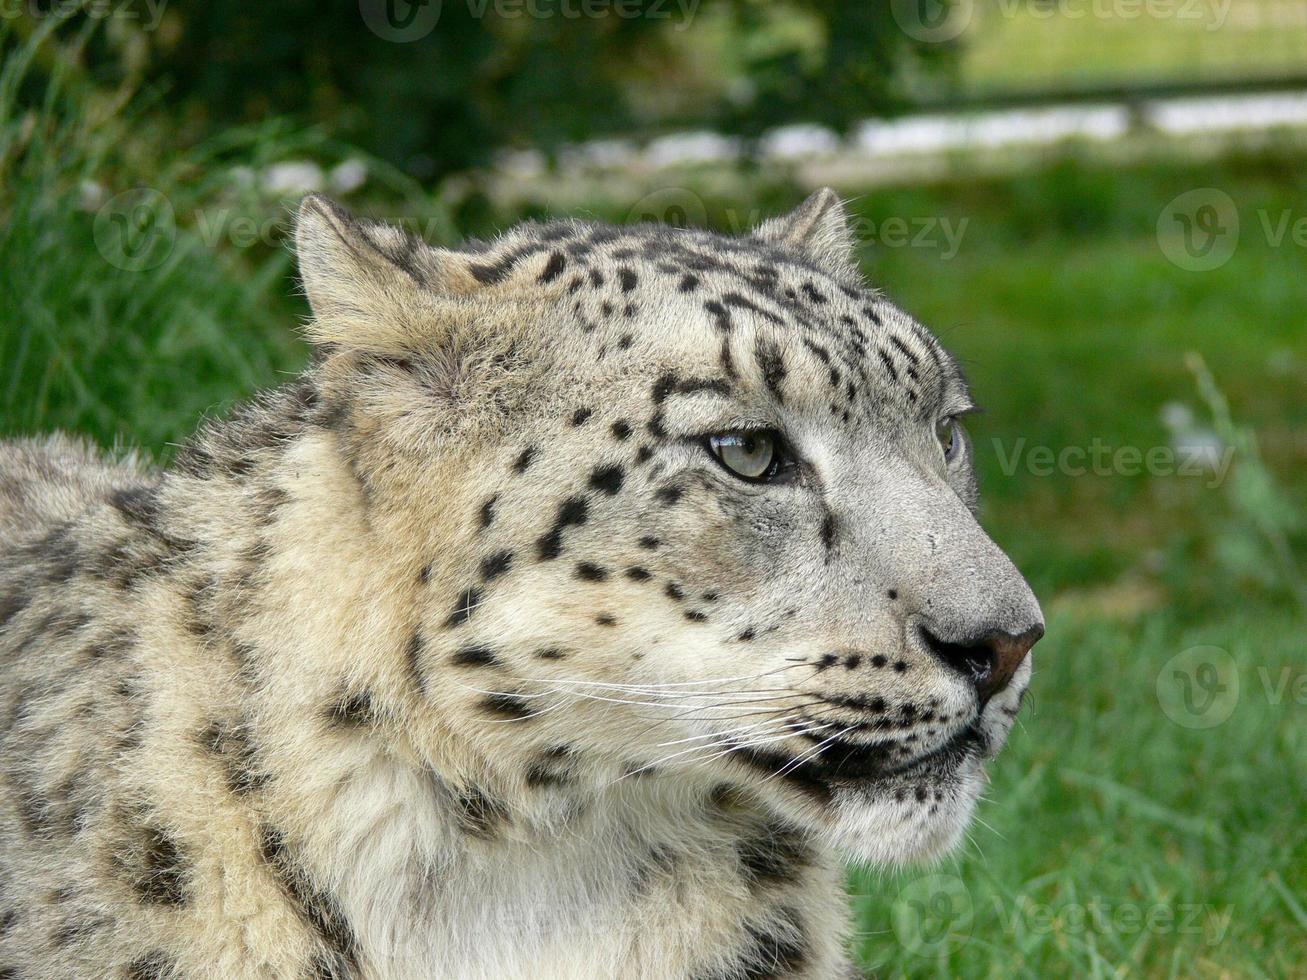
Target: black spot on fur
x: 721, y: 316
x: 480, y: 816
x: 813, y: 293
x: 889, y: 365
x: 695, y: 616
x: 156, y: 965
x: 165, y: 876
x: 805, y: 776
x: 607, y: 479
x: 57, y: 551
x: 233, y: 745
x: 487, y: 516
x: 551, y: 653
x: 669, y: 384
x: 413, y: 658
x: 674, y: 591
x: 581, y: 416
x: 904, y: 350
x: 464, y: 606
x: 637, y: 574
x: 828, y: 533
x: 549, y: 768
x: 747, y: 635
x: 505, y: 706
x: 643, y: 454
x: 771, y: 362
x: 776, y: 855
x: 139, y: 506
x: 572, y: 512
x: 11, y: 604
x: 621, y: 430
x: 670, y: 494
x: 606, y: 619
x: 627, y: 278
x: 524, y: 459
x: 354, y: 710
x: 738, y: 301
x: 496, y: 565
x: 554, y: 267
x: 659, y: 864
x: 771, y: 955
x: 316, y: 908
x: 474, y: 656
x: 76, y: 929
x: 727, y: 361
x: 649, y: 543
x: 590, y: 572
x: 490, y: 273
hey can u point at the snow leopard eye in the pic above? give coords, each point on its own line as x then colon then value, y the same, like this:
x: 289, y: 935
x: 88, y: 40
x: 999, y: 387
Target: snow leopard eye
x: 950, y: 439
x: 749, y: 454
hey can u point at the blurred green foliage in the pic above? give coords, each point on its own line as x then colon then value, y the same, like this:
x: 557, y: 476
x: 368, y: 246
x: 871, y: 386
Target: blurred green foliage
x: 435, y: 86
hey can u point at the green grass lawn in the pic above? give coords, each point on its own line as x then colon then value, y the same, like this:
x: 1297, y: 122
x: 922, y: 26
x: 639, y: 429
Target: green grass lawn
x: 1128, y: 831
x: 1035, y: 45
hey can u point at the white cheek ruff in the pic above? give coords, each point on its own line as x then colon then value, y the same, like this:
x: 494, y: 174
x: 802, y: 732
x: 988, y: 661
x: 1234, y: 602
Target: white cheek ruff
x: 870, y: 825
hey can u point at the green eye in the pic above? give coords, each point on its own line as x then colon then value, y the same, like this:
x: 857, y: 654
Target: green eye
x: 750, y: 455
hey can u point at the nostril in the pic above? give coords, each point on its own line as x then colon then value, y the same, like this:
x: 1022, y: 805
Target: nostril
x: 974, y: 661
x: 988, y: 660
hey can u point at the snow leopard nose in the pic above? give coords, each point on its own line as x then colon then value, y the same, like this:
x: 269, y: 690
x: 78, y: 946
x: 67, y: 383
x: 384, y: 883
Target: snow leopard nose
x: 988, y: 659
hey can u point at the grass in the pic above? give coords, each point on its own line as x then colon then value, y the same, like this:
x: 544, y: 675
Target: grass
x: 1035, y: 45
x: 1116, y: 841
x: 1118, y: 838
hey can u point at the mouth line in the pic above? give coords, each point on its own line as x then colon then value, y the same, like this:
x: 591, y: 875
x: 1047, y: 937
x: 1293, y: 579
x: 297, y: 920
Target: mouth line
x: 848, y: 763
x: 863, y: 763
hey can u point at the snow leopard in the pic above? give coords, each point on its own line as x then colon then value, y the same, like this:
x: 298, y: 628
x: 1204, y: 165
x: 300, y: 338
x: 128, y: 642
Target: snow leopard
x: 594, y: 594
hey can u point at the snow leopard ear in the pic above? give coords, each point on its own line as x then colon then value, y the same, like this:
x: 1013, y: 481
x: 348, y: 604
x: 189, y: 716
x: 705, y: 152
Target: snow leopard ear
x: 372, y: 286
x: 819, y: 228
